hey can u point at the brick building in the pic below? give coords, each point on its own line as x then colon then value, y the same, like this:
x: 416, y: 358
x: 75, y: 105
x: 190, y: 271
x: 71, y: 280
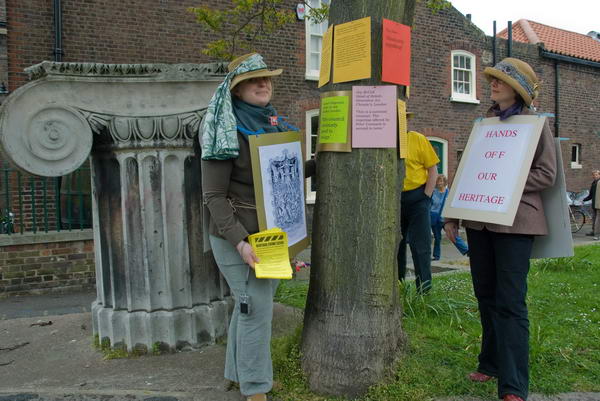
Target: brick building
x: 448, y: 91
x: 573, y: 59
x: 447, y: 94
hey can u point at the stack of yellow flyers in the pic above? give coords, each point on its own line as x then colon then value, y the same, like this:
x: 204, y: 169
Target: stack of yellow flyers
x: 271, y: 247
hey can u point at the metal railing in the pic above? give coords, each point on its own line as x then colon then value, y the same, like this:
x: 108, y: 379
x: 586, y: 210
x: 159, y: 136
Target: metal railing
x: 40, y: 204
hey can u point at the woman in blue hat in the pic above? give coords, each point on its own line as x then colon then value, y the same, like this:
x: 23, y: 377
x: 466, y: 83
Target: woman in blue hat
x: 499, y: 255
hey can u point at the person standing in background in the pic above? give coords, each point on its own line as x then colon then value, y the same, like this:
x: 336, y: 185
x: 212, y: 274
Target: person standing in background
x: 595, y: 205
x: 419, y: 181
x: 438, y: 199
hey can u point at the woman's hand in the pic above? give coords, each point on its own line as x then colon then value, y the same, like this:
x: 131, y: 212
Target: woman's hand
x: 451, y: 230
x: 247, y: 253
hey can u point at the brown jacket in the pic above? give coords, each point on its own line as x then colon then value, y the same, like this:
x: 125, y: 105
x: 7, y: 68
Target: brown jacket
x: 228, y: 192
x: 530, y: 218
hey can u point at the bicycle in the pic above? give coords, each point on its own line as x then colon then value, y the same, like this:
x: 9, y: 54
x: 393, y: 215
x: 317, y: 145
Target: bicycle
x: 577, y: 218
x: 7, y: 222
x: 578, y: 210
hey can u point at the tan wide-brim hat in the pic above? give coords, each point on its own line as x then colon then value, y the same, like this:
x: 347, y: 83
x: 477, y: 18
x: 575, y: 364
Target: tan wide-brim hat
x: 264, y: 72
x: 518, y: 75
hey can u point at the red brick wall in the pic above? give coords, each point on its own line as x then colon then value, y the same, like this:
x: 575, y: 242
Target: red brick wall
x: 35, y: 268
x: 434, y: 37
x: 138, y: 31
x: 3, y: 60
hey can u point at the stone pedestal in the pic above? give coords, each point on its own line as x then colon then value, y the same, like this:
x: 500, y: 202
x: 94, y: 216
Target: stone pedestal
x: 139, y: 124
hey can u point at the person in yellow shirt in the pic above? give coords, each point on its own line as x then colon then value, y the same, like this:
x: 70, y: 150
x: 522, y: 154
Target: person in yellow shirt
x: 419, y: 182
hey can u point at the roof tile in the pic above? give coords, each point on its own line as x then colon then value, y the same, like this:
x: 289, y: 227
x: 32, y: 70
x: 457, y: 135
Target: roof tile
x: 556, y: 40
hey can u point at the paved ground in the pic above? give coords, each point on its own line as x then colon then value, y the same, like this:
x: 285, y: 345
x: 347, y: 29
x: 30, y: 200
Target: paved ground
x: 58, y: 362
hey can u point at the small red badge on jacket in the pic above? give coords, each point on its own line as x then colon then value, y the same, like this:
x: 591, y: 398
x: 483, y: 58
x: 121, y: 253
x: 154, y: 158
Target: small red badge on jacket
x: 273, y: 120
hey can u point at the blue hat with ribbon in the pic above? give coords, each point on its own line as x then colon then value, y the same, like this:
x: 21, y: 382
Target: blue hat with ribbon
x: 518, y: 75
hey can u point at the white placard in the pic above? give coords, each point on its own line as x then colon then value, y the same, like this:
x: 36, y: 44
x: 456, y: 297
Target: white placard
x: 492, y: 173
x: 282, y: 177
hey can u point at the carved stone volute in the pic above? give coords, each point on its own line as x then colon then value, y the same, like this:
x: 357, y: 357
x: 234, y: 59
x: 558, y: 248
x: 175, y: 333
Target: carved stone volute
x: 138, y: 122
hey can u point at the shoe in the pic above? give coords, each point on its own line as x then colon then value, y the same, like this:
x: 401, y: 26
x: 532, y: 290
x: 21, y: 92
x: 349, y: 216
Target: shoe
x: 257, y: 397
x: 596, y: 238
x: 512, y: 397
x: 229, y: 385
x: 435, y: 258
x: 591, y: 234
x: 479, y: 377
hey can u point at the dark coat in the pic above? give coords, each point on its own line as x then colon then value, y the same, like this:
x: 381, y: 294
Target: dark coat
x: 592, y: 195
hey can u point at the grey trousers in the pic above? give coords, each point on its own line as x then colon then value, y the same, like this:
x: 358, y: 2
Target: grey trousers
x: 248, y: 359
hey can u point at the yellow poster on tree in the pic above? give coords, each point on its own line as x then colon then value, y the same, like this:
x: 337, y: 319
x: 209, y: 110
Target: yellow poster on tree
x: 325, y: 71
x: 402, y: 130
x: 352, y: 51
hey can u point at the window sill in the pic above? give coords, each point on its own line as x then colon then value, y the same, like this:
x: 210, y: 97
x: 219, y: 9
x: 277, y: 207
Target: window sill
x: 311, y: 77
x: 576, y: 166
x: 310, y: 201
x: 460, y: 100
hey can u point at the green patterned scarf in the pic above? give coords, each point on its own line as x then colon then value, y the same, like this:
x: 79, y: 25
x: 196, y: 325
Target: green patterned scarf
x: 218, y: 132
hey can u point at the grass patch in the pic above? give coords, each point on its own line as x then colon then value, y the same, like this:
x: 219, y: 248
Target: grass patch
x: 292, y: 293
x: 444, y: 336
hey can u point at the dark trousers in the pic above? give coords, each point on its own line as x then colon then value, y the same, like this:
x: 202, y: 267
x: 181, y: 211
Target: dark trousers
x: 499, y: 267
x: 416, y: 228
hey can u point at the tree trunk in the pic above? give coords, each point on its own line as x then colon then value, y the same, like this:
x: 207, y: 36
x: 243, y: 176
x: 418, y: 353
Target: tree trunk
x: 352, y: 334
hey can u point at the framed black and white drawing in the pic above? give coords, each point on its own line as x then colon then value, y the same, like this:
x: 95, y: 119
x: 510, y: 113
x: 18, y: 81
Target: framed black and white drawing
x: 278, y: 171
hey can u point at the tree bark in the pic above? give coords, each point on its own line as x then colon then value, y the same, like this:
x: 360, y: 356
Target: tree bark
x: 352, y: 334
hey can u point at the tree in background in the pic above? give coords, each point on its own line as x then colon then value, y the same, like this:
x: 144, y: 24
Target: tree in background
x: 245, y: 23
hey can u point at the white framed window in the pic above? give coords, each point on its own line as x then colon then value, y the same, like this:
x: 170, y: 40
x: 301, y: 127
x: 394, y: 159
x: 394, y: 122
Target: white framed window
x: 314, y: 41
x: 576, y: 156
x: 463, y: 77
x: 312, y: 130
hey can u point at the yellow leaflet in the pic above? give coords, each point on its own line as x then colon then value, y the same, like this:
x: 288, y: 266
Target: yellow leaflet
x: 271, y: 247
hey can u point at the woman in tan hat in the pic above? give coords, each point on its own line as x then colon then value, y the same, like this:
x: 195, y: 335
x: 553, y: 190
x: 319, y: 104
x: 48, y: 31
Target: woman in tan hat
x: 499, y: 255
x: 241, y: 106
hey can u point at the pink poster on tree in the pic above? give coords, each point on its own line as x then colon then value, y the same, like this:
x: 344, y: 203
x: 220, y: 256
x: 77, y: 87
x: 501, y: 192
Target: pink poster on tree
x: 374, y: 116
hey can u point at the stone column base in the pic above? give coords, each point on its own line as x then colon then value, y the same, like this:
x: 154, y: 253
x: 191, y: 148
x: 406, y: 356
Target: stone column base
x: 140, y: 330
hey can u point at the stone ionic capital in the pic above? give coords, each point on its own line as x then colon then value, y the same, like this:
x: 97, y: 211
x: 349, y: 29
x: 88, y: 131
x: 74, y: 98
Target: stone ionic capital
x: 48, y: 126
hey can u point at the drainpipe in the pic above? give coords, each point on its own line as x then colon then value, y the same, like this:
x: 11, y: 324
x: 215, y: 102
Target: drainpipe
x: 58, y: 51
x: 556, y: 99
x: 494, y: 45
x: 509, y: 38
